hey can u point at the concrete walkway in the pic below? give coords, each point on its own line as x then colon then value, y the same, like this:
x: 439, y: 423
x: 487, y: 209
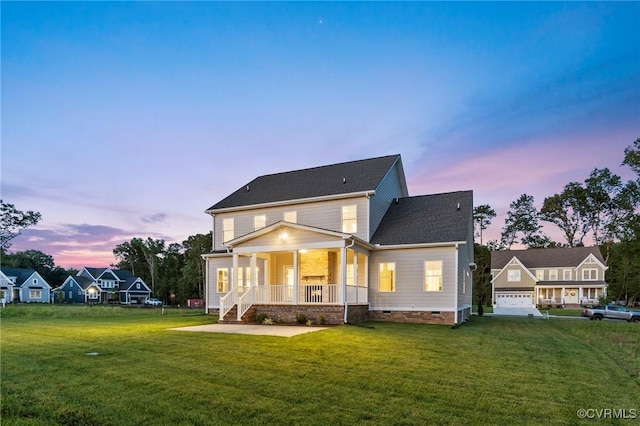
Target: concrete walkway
x: 517, y: 312
x: 258, y: 330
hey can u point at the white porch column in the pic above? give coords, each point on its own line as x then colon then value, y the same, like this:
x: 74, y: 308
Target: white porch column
x: 343, y: 273
x: 234, y: 274
x: 254, y: 269
x: 355, y: 273
x: 580, y: 295
x: 562, y: 294
x: 295, y: 277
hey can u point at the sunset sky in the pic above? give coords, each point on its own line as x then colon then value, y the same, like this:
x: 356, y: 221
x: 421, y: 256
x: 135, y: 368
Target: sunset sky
x: 129, y: 119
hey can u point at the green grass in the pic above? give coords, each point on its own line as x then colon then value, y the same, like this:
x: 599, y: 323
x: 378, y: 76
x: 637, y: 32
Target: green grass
x: 491, y: 371
x: 563, y: 312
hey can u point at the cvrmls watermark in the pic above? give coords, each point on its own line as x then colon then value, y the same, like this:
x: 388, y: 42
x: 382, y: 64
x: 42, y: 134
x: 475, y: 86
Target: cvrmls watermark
x: 607, y: 413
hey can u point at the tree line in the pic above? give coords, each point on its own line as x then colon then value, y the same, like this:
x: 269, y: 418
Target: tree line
x: 603, y: 206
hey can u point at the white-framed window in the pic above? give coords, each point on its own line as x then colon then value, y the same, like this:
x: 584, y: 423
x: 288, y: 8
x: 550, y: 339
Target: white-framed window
x: 513, y: 275
x: 244, y: 277
x: 387, y: 277
x: 553, y: 275
x: 433, y: 275
x: 93, y: 294
x: 71, y: 295
x: 79, y: 293
x: 223, y: 280
x: 589, y: 274
x: 351, y: 274
x: 35, y: 294
x: 291, y: 217
x: 227, y: 229
x: 259, y: 221
x: 350, y: 219
x: 566, y: 274
x: 540, y: 274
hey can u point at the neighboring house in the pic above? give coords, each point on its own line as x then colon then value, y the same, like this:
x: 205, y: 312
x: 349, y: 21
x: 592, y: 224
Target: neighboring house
x: 555, y: 276
x: 103, y: 285
x: 27, y: 286
x: 6, y: 288
x: 341, y: 243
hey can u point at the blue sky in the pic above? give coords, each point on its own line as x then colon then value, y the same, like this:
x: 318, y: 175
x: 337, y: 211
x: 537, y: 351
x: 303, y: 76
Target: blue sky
x: 124, y: 119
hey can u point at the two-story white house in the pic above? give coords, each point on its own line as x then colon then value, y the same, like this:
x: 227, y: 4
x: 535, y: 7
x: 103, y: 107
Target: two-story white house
x: 341, y: 243
x: 543, y: 277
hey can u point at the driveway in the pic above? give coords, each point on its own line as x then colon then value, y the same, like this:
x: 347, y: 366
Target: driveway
x: 258, y: 330
x: 517, y: 312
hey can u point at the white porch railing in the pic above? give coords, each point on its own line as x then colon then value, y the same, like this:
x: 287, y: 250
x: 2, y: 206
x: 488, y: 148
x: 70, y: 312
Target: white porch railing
x: 587, y: 301
x: 226, y: 303
x: 245, y: 301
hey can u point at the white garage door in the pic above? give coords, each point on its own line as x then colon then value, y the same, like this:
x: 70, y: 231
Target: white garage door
x: 513, y: 300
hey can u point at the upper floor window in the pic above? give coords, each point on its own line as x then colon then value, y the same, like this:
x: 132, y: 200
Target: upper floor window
x: 227, y: 229
x: 566, y: 274
x: 513, y: 275
x: 589, y: 274
x: 433, y: 275
x: 387, y: 276
x: 259, y: 221
x: 349, y: 219
x: 540, y: 274
x: 291, y: 217
x: 553, y: 275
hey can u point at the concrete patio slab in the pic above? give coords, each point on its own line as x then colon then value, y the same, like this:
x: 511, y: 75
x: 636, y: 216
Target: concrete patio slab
x: 258, y: 330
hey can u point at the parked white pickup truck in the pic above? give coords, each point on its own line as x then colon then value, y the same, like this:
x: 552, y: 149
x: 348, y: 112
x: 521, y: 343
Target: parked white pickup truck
x: 611, y: 312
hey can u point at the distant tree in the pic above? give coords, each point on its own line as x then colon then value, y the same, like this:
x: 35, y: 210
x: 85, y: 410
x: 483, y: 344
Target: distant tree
x: 13, y: 222
x: 567, y: 211
x: 193, y: 273
x: 171, y: 265
x: 152, y: 249
x: 604, y: 204
x: 130, y: 256
x: 40, y: 262
x: 523, y: 221
x: 482, y: 217
x: 632, y: 157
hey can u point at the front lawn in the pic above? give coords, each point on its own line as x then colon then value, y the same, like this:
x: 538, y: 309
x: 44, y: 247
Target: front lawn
x: 124, y: 367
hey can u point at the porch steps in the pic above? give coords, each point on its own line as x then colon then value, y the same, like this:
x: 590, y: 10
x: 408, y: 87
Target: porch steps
x: 232, y: 316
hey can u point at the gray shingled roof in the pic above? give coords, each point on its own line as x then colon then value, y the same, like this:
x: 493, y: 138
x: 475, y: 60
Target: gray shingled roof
x: 21, y: 274
x: 361, y: 175
x: 545, y: 258
x: 426, y: 219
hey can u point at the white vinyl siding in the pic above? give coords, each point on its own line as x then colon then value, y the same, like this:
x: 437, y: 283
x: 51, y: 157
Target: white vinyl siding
x: 389, y: 189
x: 433, y: 275
x: 409, y: 270
x: 320, y: 214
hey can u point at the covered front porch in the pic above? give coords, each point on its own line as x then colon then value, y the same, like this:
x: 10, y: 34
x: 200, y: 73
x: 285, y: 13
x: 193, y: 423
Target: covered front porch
x: 569, y: 294
x: 293, y: 265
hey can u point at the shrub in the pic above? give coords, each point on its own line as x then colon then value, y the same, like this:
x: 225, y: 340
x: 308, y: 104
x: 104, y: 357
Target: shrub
x: 322, y: 320
x: 261, y: 317
x: 301, y: 319
x: 309, y: 322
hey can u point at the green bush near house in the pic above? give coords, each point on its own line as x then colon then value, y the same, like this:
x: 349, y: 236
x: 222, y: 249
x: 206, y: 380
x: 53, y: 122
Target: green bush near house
x: 490, y: 370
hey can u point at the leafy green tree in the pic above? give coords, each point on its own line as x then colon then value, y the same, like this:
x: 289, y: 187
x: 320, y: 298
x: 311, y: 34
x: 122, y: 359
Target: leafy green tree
x: 604, y: 204
x: 523, y: 221
x: 482, y: 217
x: 193, y: 273
x: 171, y: 264
x: 13, y: 222
x: 567, y: 211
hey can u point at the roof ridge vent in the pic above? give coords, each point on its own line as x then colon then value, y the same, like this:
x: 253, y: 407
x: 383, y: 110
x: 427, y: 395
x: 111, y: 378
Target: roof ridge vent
x: 458, y: 208
x: 344, y: 180
x: 248, y: 189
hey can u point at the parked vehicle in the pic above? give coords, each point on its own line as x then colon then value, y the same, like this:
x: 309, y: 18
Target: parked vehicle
x: 611, y: 312
x: 153, y: 302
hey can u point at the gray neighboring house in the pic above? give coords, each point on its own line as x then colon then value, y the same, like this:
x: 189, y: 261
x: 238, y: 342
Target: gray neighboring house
x: 104, y: 285
x: 27, y: 286
x: 341, y: 243
x: 547, y: 277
